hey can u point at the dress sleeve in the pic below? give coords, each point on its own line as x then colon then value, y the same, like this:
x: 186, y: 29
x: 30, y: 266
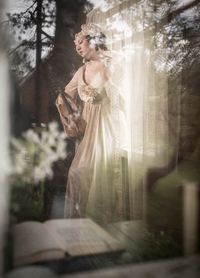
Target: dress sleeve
x: 65, y: 115
x: 71, y: 87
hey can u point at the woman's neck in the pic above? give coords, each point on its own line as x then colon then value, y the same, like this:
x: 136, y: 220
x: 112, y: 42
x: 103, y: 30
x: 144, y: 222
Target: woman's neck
x: 95, y: 56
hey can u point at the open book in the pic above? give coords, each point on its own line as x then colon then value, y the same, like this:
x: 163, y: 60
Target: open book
x: 60, y: 238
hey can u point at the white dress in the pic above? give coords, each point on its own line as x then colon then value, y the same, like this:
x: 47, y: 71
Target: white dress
x: 94, y: 186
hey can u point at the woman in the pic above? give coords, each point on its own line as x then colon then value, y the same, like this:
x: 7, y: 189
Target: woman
x: 94, y: 187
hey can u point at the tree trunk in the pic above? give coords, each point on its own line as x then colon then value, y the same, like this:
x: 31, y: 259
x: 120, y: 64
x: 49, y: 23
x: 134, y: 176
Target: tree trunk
x: 38, y: 60
x: 64, y: 60
x: 58, y: 68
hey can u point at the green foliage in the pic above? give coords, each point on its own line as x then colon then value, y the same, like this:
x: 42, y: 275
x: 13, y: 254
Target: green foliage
x: 34, y: 155
x: 22, y: 26
x: 152, y: 245
x: 164, y: 206
x: 157, y: 245
x: 26, y: 203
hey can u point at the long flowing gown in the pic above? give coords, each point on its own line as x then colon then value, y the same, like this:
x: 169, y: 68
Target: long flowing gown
x: 94, y: 186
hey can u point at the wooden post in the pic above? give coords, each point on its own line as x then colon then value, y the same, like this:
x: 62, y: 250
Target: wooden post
x: 190, y: 217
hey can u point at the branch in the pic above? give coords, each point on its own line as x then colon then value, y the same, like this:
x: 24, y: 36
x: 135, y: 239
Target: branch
x: 27, y: 43
x: 42, y: 31
x: 169, y: 17
x: 13, y: 50
x: 47, y: 35
x: 166, y: 19
x: 4, y: 22
x: 23, y: 43
x: 22, y: 13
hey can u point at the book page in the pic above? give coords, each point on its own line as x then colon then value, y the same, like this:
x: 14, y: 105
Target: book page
x: 31, y: 272
x: 82, y: 236
x: 30, y: 239
x: 41, y: 256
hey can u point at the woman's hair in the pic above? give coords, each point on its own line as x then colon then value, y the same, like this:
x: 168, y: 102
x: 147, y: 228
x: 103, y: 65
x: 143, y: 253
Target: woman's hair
x: 98, y: 41
x: 93, y: 34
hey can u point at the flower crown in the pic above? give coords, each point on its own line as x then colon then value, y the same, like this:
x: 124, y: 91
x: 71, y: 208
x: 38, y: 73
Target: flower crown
x: 89, y: 29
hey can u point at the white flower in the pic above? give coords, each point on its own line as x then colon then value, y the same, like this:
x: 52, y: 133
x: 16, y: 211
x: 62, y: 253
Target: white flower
x: 53, y: 127
x: 61, y: 150
x: 31, y: 135
x: 92, y: 43
x: 90, y: 29
x: 35, y: 152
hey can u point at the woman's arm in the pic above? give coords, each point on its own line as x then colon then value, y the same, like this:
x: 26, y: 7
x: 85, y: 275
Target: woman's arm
x: 71, y: 91
x: 71, y: 87
x: 66, y: 115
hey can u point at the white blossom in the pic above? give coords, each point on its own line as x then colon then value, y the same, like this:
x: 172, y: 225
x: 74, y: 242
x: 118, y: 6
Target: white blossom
x: 34, y: 154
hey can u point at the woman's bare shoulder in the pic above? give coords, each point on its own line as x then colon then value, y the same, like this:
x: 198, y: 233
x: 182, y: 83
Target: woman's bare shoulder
x: 77, y: 72
x: 80, y: 68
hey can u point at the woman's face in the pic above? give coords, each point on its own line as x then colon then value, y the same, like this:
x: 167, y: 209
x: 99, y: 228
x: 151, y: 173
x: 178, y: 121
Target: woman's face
x: 82, y: 46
